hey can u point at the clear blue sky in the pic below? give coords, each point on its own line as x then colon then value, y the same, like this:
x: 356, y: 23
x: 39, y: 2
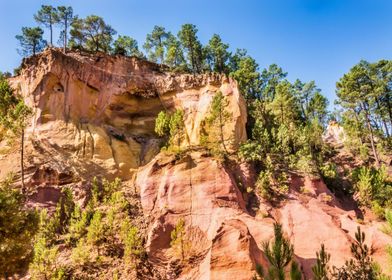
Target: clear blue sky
x: 310, y: 39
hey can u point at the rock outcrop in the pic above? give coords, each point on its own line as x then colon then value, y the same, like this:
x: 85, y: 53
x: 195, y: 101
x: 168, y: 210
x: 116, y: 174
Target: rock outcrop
x: 95, y: 116
x: 103, y: 108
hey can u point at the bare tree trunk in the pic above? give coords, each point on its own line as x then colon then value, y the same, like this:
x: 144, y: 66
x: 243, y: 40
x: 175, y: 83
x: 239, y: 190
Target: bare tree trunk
x: 65, y: 35
x: 221, y: 131
x: 51, y: 35
x: 21, y: 159
x: 371, y: 135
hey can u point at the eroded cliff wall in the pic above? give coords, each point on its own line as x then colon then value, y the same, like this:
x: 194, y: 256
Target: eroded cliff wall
x: 95, y: 116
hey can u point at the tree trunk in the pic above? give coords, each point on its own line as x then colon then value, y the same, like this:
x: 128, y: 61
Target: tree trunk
x: 371, y: 135
x: 65, y: 35
x: 21, y: 159
x: 221, y: 131
x: 383, y: 121
x: 388, y: 101
x: 51, y: 35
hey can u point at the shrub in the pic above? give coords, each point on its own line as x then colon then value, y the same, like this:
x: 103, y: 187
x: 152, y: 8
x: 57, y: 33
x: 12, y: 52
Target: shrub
x: 96, y: 231
x: 179, y: 242
x: 387, y: 228
x: 361, y: 267
x: 133, y: 248
x: 81, y: 253
x: 78, y: 225
x: 320, y: 269
x: 44, y: 262
x: 17, y: 229
x: 279, y: 254
x: 373, y: 186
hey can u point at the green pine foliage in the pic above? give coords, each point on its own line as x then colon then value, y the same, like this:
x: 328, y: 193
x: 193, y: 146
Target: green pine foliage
x: 361, y: 266
x: 91, y: 34
x: 373, y: 187
x: 31, y: 41
x: 127, y: 46
x: 17, y: 229
x: 321, y: 268
x: 216, y: 120
x: 364, y: 95
x: 171, y: 127
x: 44, y: 264
x: 279, y: 253
x: 133, y: 246
x: 179, y: 241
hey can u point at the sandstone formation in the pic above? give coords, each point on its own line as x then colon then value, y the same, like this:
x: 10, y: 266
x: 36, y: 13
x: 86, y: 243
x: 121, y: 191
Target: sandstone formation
x: 94, y: 116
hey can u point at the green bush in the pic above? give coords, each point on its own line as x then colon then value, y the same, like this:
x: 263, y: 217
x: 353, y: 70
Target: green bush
x: 373, y: 187
x: 18, y: 226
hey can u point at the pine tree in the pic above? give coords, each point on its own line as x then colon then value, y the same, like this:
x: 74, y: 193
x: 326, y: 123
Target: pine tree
x: 244, y: 70
x: 155, y: 44
x: 178, y: 239
x: 171, y: 126
x: 174, y: 54
x: 65, y: 18
x: 356, y: 91
x: 177, y: 127
x: 96, y: 231
x: 17, y: 229
x: 31, y: 41
x: 190, y: 42
x: 218, y: 117
x: 361, y: 267
x: 92, y: 34
x: 217, y: 54
x: 320, y: 269
x: 48, y: 17
x: 279, y: 253
x: 133, y: 248
x: 44, y: 264
x: 127, y: 46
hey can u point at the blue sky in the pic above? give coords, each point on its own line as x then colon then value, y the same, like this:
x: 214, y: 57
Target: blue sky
x: 310, y: 39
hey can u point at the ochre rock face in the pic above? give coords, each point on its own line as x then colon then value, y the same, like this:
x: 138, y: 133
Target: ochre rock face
x: 204, y: 192
x: 96, y: 115
x: 105, y: 107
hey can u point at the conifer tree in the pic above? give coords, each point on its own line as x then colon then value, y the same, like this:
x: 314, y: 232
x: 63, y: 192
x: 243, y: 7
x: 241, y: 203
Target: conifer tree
x: 218, y: 117
x: 217, y: 54
x: 44, y: 264
x: 177, y: 127
x: 178, y: 239
x: 171, y: 126
x: 65, y: 18
x: 96, y: 231
x: 31, y: 41
x: 125, y: 45
x: 190, y: 42
x: 17, y: 229
x: 92, y: 34
x: 133, y: 248
x: 361, y: 267
x: 244, y: 70
x: 279, y: 254
x: 320, y: 269
x: 48, y: 17
x: 155, y: 44
x: 174, y: 54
